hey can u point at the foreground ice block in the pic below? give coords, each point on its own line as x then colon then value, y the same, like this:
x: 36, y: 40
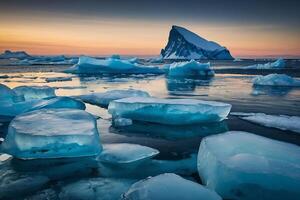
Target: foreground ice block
x: 283, y: 122
x: 168, y: 187
x: 126, y: 154
x: 113, y: 65
x: 278, y: 64
x: 189, y: 69
x: 241, y: 165
x: 276, y: 80
x: 169, y: 111
x: 103, y: 99
x: 34, y: 92
x: 7, y: 95
x: 52, y: 133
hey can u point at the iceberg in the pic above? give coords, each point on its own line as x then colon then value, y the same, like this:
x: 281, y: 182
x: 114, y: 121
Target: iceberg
x: 276, y: 80
x: 95, y: 188
x: 34, y: 92
x: 52, y: 133
x: 103, y: 99
x: 56, y: 79
x: 126, y: 154
x: 168, y: 187
x: 241, y: 165
x: 169, y: 111
x: 278, y: 64
x: 88, y: 65
x: 189, y: 69
x: 282, y: 122
x: 14, y: 54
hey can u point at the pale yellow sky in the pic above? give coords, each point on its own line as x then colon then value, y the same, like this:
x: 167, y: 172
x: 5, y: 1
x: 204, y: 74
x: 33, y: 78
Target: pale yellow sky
x: 100, y: 36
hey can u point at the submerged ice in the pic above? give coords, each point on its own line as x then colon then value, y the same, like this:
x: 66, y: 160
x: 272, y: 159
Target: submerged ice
x: 276, y: 80
x: 113, y: 65
x: 241, y: 165
x: 34, y: 92
x: 169, y: 111
x: 52, y: 133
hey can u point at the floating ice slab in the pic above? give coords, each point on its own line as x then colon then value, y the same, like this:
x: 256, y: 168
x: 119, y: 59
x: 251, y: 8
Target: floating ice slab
x: 276, y: 80
x: 241, y: 165
x: 103, y: 99
x: 56, y: 79
x: 34, y: 92
x: 124, y: 153
x: 169, y: 111
x: 168, y: 187
x: 52, y: 133
x: 7, y: 95
x: 95, y: 188
x: 189, y: 69
x: 111, y: 66
x: 13, y: 109
x: 278, y: 64
x: 283, y: 122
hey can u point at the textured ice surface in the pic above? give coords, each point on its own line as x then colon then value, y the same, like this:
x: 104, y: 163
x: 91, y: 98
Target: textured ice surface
x: 120, y: 122
x: 241, y: 165
x: 278, y: 64
x: 189, y: 69
x: 13, y: 109
x: 123, y: 153
x: 34, y: 92
x: 56, y: 79
x: 111, y: 66
x: 103, y: 99
x: 283, y: 122
x: 7, y: 95
x: 168, y: 187
x: 52, y: 133
x: 169, y: 111
x: 276, y: 80
x: 95, y: 188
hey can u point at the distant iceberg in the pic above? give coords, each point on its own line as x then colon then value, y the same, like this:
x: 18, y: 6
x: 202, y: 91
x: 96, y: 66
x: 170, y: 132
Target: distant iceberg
x: 58, y: 79
x: 47, y: 60
x: 87, y: 65
x: 283, y: 122
x: 14, y: 54
x: 278, y: 64
x: 52, y: 133
x: 189, y: 69
x: 169, y: 111
x: 241, y: 165
x: 276, y: 80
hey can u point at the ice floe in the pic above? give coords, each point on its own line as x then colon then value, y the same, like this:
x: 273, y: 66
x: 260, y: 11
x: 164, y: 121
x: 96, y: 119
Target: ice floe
x: 278, y: 64
x: 56, y: 79
x: 34, y: 92
x: 52, y: 133
x: 88, y: 65
x: 103, y: 99
x: 169, y: 111
x: 283, y: 122
x: 241, y: 165
x: 276, y: 80
x: 189, y: 69
x: 168, y: 187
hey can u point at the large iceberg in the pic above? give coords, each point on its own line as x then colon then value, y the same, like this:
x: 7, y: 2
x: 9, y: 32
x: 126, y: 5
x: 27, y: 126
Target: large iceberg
x: 34, y: 92
x: 169, y: 111
x: 189, y: 69
x: 283, y: 122
x: 52, y: 133
x: 87, y: 65
x: 126, y: 154
x: 278, y: 64
x: 168, y: 187
x: 241, y: 165
x: 184, y: 44
x: 14, y: 54
x: 276, y: 80
x: 103, y: 99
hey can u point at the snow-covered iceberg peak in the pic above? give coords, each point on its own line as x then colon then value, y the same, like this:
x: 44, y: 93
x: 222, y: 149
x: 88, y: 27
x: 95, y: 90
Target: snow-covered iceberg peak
x: 111, y: 66
x: 168, y: 187
x: 278, y: 64
x: 52, y: 133
x: 276, y: 80
x: 169, y: 111
x: 184, y: 44
x: 241, y: 165
x: 189, y: 69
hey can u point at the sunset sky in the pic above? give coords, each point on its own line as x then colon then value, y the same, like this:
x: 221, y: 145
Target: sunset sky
x: 246, y: 28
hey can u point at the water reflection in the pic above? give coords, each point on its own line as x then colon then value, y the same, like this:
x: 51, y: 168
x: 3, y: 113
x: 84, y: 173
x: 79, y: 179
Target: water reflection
x: 186, y: 85
x: 170, y: 132
x: 271, y: 90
